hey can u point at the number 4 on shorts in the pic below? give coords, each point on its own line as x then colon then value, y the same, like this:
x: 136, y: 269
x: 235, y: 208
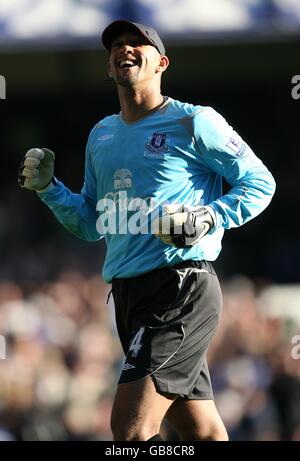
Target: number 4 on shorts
x: 136, y: 343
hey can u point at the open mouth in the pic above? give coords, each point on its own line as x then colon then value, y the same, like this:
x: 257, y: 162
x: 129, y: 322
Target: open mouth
x: 126, y: 63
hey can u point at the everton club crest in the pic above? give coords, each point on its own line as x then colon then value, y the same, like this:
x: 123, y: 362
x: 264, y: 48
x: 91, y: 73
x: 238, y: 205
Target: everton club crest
x: 157, y: 144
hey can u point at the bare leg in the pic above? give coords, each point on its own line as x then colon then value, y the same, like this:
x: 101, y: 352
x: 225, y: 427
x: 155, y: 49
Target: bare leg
x: 138, y: 410
x: 196, y: 420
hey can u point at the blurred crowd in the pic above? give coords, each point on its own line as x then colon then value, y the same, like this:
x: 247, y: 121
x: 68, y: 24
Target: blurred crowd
x: 256, y: 375
x: 63, y: 359
x: 54, y: 19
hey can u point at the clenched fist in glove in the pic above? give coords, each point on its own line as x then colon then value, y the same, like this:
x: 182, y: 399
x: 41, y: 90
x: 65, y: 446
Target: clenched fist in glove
x: 36, y: 170
x: 182, y: 227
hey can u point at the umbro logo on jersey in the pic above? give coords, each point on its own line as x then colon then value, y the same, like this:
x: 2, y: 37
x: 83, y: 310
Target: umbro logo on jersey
x: 128, y: 366
x: 105, y: 137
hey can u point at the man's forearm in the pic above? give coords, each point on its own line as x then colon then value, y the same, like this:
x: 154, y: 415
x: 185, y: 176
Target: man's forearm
x: 76, y: 212
x: 245, y: 200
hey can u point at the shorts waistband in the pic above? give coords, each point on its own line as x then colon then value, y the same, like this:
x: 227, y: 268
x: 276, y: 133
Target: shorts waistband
x: 182, y: 265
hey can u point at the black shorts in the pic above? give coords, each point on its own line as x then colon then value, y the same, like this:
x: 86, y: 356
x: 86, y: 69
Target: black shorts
x: 165, y: 320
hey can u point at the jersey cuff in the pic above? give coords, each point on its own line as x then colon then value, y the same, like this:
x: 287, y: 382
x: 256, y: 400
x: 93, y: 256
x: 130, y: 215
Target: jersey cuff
x: 212, y: 213
x: 52, y: 184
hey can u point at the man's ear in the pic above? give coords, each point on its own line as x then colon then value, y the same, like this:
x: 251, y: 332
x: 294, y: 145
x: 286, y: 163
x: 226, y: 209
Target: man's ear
x: 163, y: 64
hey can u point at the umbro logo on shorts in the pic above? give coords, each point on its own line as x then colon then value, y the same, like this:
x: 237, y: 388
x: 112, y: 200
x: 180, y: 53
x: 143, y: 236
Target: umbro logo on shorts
x: 128, y: 366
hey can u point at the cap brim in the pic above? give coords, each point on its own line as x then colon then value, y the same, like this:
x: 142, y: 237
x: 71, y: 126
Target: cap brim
x: 121, y: 26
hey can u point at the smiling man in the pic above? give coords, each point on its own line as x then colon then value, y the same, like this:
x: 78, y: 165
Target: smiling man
x: 153, y: 189
x: 137, y: 71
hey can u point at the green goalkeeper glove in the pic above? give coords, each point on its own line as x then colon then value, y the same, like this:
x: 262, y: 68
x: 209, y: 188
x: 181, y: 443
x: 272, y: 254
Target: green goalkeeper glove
x: 36, y: 170
x: 181, y: 227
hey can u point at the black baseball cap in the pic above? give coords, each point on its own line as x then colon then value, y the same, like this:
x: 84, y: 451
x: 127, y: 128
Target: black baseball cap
x: 122, y: 25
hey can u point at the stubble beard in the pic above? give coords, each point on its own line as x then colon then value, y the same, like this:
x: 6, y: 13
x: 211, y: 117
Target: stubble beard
x: 128, y: 81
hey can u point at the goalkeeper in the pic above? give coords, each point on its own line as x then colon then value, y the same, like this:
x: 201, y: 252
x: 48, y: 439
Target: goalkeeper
x: 171, y: 157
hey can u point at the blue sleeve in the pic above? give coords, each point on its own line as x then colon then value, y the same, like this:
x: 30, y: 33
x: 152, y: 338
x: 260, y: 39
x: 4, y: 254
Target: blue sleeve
x: 224, y: 151
x: 76, y: 212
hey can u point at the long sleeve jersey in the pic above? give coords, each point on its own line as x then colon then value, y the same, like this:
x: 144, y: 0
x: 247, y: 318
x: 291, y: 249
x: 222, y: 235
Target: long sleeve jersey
x: 177, y: 154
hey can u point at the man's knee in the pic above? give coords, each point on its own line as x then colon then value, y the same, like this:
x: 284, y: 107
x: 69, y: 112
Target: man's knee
x: 209, y: 430
x: 126, y: 430
x: 197, y: 420
x: 214, y: 432
x: 132, y: 433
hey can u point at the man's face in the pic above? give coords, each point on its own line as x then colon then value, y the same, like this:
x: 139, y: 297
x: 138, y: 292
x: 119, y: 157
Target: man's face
x: 133, y: 60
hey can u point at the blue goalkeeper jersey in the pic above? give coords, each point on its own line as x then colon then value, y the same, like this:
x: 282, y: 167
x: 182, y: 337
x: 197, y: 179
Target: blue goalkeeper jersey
x: 177, y: 154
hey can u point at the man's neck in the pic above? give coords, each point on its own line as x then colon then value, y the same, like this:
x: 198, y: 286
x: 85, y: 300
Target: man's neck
x: 136, y: 104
